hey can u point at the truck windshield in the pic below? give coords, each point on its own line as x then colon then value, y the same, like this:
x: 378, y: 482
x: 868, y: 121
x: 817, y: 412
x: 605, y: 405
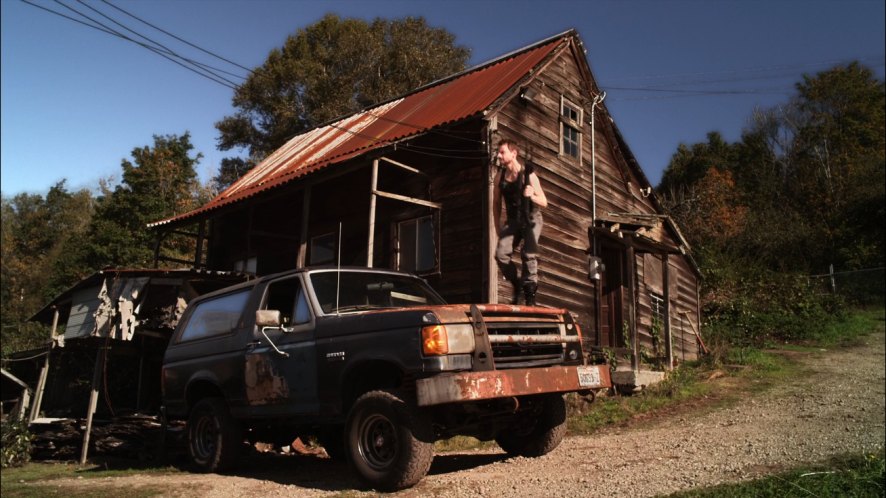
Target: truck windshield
x: 359, y: 291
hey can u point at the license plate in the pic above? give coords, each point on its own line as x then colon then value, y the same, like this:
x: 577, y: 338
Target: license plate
x: 588, y: 376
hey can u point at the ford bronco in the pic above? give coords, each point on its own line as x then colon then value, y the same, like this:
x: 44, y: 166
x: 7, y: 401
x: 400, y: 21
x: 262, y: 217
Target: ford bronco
x: 373, y: 364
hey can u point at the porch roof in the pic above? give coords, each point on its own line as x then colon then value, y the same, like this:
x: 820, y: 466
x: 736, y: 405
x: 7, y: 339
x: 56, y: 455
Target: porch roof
x: 449, y: 100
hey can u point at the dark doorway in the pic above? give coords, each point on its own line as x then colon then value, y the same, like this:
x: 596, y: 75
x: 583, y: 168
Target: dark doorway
x: 611, y: 309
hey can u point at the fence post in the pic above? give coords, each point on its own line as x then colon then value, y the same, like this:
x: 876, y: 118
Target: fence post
x: 833, y: 281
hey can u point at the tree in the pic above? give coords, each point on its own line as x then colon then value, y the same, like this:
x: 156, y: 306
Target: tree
x: 690, y: 164
x: 160, y: 182
x: 229, y: 171
x: 332, y: 68
x: 36, y: 230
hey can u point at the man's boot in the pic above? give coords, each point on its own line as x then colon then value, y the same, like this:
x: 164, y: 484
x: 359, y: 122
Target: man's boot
x: 529, y: 290
x: 510, y: 274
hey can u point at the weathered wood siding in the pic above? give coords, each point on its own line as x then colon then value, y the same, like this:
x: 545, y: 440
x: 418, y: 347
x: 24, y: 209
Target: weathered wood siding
x: 568, y: 185
x: 563, y: 277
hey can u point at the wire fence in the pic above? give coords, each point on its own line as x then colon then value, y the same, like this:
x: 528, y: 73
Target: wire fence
x: 864, y: 286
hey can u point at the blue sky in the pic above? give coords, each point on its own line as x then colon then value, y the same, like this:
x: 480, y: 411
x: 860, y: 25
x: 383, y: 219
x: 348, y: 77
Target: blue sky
x: 76, y: 101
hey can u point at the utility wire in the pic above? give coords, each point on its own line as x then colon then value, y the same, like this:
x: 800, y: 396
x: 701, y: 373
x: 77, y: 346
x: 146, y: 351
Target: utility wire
x: 166, y: 49
x: 211, y: 75
x: 176, y: 37
x: 105, y: 29
x: 783, y: 71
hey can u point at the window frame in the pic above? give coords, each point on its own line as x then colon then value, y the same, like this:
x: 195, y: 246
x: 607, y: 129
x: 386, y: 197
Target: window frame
x: 302, y: 290
x: 181, y: 337
x: 568, y: 123
x: 435, y: 241
x: 312, y: 252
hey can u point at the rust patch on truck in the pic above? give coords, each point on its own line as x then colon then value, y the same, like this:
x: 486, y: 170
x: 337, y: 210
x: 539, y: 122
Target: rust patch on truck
x: 264, y: 383
x: 472, y: 386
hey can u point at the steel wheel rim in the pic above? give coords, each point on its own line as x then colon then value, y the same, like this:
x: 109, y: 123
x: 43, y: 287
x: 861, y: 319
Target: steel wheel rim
x: 378, y: 442
x: 204, y: 437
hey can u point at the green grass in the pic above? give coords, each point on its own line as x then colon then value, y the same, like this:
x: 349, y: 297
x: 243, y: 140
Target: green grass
x: 850, y: 475
x: 35, y: 479
x: 723, y: 378
x: 847, y: 332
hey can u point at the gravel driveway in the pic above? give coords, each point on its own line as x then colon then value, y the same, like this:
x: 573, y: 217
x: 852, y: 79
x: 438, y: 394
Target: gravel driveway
x: 838, y: 407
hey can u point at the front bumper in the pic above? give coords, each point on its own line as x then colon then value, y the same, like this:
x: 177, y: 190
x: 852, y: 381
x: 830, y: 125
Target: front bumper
x: 472, y: 386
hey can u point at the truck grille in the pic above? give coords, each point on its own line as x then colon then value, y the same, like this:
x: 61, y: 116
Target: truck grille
x: 524, y: 354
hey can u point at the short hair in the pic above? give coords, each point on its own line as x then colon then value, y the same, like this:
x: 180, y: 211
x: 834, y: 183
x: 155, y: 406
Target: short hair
x: 511, y: 143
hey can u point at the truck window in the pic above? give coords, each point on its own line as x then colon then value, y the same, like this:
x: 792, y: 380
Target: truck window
x: 358, y: 291
x: 288, y: 297
x: 217, y: 316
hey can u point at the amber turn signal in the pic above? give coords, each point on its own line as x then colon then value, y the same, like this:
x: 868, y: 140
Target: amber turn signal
x: 434, y: 341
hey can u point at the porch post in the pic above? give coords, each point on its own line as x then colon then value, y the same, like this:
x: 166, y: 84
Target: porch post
x: 201, y: 234
x: 305, y: 214
x: 41, y: 383
x: 93, y: 400
x: 632, y: 308
x: 372, y: 197
x: 666, y: 280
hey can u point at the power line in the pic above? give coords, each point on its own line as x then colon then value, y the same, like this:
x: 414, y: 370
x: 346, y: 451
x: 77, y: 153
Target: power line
x: 193, y: 67
x: 176, y: 37
x: 783, y: 70
x: 166, y: 49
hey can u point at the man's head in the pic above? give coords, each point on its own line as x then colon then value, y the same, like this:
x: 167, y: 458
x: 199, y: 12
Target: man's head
x: 507, y: 151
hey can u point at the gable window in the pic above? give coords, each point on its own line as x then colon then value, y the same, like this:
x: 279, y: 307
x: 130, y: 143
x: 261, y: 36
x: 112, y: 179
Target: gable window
x: 570, y: 129
x: 417, y: 248
x: 322, y: 249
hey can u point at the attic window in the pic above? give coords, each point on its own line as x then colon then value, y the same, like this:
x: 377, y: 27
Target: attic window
x: 570, y: 129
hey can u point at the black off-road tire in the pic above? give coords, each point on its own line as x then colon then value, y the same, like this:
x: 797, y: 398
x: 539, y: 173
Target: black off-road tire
x: 214, y: 437
x: 390, y: 442
x: 537, y: 436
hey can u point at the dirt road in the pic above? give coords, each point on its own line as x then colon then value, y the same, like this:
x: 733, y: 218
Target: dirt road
x: 837, y: 407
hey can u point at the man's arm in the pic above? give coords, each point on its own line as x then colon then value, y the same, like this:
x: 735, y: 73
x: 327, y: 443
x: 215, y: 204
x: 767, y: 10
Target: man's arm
x: 496, y: 203
x: 535, y: 192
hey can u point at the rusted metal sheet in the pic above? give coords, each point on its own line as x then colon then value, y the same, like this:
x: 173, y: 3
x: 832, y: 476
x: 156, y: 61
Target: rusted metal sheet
x: 264, y: 383
x: 473, y: 386
x: 546, y: 338
x: 446, y: 101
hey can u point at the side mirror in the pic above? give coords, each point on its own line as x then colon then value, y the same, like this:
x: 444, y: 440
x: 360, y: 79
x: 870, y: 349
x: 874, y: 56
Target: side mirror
x: 268, y: 318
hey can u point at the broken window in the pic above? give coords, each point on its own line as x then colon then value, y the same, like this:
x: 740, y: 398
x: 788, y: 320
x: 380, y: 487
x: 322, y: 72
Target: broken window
x: 417, y: 249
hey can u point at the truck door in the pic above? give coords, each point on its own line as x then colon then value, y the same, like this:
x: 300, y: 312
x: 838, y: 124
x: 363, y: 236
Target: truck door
x: 281, y: 370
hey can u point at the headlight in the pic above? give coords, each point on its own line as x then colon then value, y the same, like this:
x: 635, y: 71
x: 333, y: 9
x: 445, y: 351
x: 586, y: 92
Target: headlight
x: 447, y: 339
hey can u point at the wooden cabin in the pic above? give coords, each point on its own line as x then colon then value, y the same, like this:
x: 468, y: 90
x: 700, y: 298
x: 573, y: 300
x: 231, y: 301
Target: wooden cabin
x: 407, y: 184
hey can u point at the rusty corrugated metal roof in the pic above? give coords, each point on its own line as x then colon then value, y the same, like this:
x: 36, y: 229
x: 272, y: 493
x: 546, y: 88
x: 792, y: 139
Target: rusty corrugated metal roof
x: 451, y: 99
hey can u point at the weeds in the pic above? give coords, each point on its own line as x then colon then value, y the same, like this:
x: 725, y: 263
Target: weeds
x: 848, y: 475
x: 16, y: 444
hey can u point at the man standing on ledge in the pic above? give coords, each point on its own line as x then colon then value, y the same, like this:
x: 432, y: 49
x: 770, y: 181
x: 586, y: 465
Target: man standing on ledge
x: 523, y: 197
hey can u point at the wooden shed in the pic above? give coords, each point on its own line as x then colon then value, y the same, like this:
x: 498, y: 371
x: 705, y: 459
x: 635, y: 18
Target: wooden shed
x: 407, y: 184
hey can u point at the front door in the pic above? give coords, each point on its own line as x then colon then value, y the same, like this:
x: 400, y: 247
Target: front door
x: 280, y: 371
x: 611, y: 309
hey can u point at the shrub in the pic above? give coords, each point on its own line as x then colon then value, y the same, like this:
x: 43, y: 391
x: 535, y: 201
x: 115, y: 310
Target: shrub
x: 16, y: 444
x: 760, y: 307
